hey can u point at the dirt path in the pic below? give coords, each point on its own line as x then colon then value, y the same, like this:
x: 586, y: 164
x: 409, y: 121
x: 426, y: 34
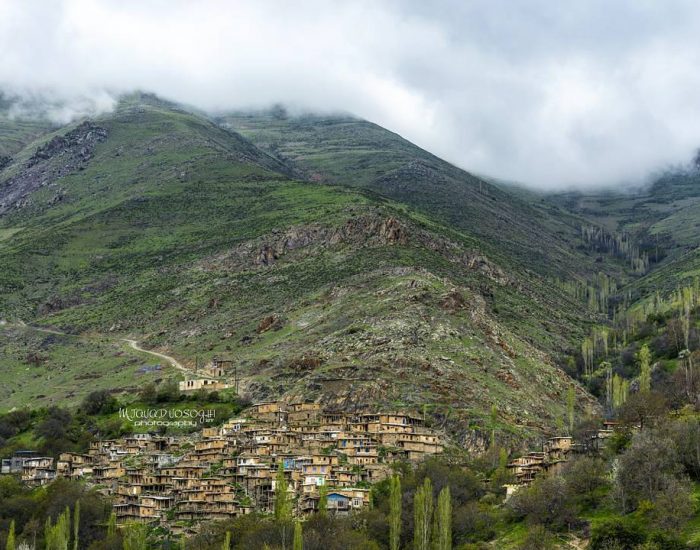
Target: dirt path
x: 134, y: 344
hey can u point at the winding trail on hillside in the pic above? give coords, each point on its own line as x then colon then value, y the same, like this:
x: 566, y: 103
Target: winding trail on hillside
x: 134, y: 344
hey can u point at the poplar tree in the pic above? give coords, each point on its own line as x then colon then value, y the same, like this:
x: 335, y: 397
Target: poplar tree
x: 57, y: 536
x: 10, y: 544
x: 135, y: 536
x: 571, y: 408
x: 283, y: 510
x: 298, y: 539
x: 283, y: 507
x: 112, y: 525
x: 394, y: 512
x: 422, y: 515
x: 227, y: 541
x: 443, y: 537
x: 323, y: 500
x: 644, y: 358
x: 76, y: 524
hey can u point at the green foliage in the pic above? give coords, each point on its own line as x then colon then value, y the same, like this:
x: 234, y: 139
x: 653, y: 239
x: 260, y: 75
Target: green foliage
x: 644, y: 359
x: 57, y: 536
x: 395, y: 505
x: 112, y: 525
x: 571, y: 408
x: 323, y: 499
x: 443, y: 534
x: 135, y: 536
x: 298, y: 543
x: 547, y: 501
x: 622, y: 533
x: 10, y: 544
x: 76, y: 525
x: 283, y: 505
x: 423, y: 515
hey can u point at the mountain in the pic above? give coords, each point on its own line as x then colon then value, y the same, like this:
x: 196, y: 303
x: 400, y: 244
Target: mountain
x: 344, y: 150
x: 383, y: 277
x: 661, y: 219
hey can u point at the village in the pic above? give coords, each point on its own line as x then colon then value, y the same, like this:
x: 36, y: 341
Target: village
x: 226, y: 471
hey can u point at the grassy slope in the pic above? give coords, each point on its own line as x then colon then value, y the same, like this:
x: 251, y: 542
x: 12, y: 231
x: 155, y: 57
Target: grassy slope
x: 534, y: 235
x: 664, y: 218
x: 156, y: 238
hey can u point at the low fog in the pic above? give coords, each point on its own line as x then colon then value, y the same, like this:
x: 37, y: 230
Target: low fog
x: 550, y: 94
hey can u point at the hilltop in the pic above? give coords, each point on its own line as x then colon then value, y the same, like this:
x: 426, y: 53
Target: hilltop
x: 158, y: 224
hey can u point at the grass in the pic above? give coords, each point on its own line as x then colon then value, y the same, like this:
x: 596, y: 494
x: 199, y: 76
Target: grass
x: 157, y: 238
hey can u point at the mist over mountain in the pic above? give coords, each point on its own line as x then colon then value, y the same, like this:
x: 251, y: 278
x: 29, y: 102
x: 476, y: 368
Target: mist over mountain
x: 557, y: 101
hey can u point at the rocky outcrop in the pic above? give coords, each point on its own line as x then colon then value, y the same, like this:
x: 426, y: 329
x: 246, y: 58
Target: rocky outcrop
x: 375, y: 228
x: 59, y: 157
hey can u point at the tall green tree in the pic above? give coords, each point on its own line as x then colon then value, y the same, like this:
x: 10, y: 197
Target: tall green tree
x: 394, y: 512
x: 298, y: 543
x: 422, y: 515
x: 644, y: 359
x: 283, y: 507
x: 135, y: 536
x: 76, y: 524
x: 323, y: 500
x: 112, y: 525
x: 10, y: 544
x: 443, y: 536
x: 227, y: 541
x: 571, y: 408
x: 57, y: 536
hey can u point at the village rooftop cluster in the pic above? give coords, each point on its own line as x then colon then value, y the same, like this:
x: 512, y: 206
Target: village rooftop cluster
x: 226, y: 471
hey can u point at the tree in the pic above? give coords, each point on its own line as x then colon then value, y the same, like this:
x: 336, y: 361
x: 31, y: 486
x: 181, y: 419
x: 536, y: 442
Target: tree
x: 547, y: 501
x: 640, y: 408
x: 323, y: 500
x: 685, y: 432
x: 645, y: 469
x: 57, y: 536
x: 227, y: 541
x: 644, y: 359
x: 112, y: 525
x: 283, y: 509
x: 538, y: 538
x: 584, y: 476
x: 673, y: 507
x: 620, y: 390
x: 148, y: 393
x: 135, y: 536
x: 422, y: 515
x: 76, y: 524
x: 571, y: 408
x: 394, y: 512
x: 443, y: 537
x: 616, y: 533
x: 99, y: 401
x: 10, y: 544
x: 283, y: 506
x: 298, y: 540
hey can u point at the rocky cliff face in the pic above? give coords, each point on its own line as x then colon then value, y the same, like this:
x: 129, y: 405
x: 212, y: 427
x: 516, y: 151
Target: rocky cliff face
x: 363, y: 229
x: 62, y: 155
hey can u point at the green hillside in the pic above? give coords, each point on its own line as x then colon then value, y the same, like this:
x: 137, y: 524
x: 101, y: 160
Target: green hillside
x: 159, y: 225
x: 537, y: 236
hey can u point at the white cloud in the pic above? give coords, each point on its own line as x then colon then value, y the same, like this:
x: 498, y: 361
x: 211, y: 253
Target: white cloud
x: 553, y: 94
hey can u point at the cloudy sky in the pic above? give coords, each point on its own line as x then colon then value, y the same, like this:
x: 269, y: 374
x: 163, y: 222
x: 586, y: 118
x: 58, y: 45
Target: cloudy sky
x: 552, y: 94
